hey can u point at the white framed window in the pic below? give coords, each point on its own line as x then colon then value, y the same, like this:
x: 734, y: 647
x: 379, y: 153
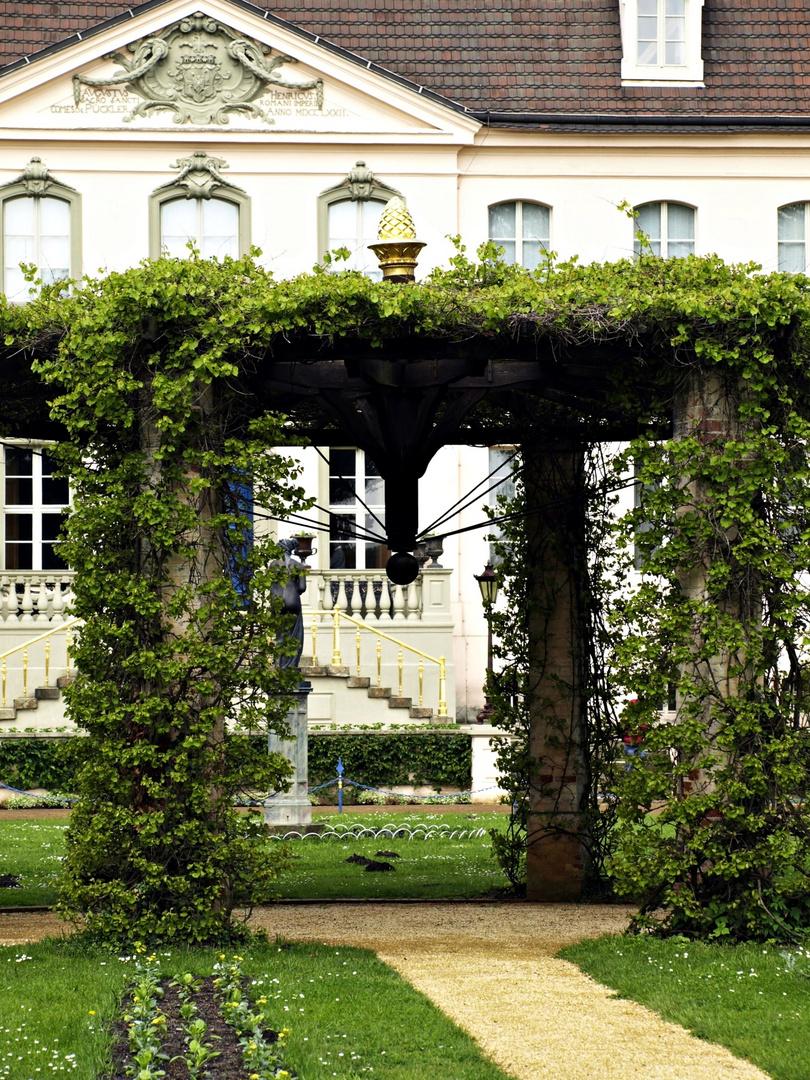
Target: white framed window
x: 502, y: 463
x: 34, y: 504
x: 211, y: 225
x: 202, y: 207
x: 40, y: 227
x: 352, y: 473
x: 352, y: 224
x: 522, y: 229
x: 661, y: 41
x: 668, y: 227
x: 35, y: 231
x: 792, y: 223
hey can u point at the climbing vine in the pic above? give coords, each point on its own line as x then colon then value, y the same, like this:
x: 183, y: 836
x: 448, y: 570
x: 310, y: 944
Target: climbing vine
x: 156, y: 377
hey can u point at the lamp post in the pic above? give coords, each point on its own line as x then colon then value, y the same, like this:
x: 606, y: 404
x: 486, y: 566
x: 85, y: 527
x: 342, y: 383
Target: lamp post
x: 488, y: 584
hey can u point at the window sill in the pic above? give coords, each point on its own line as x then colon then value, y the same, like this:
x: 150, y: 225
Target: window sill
x: 649, y: 80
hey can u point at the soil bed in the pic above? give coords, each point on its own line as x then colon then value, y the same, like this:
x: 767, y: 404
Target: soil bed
x: 227, y: 1065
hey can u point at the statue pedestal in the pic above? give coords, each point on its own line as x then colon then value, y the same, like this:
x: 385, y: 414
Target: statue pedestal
x: 292, y: 808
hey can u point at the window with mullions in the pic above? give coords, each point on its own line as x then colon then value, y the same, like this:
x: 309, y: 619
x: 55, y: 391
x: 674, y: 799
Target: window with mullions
x: 35, y: 231
x: 522, y: 229
x: 792, y: 228
x: 41, y: 227
x: 211, y: 225
x: 661, y: 33
x: 34, y: 506
x: 668, y: 228
x: 351, y: 474
x: 201, y: 207
x: 501, y: 466
x: 353, y: 225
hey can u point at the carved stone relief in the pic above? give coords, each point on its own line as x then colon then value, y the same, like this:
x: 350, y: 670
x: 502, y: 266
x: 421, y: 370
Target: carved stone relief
x: 200, y: 70
x: 361, y: 184
x: 200, y: 175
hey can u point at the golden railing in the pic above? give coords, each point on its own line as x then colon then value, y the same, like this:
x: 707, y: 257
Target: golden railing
x: 337, y: 615
x: 46, y: 637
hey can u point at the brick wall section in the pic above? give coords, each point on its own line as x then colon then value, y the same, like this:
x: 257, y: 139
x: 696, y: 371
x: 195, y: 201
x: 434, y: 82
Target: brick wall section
x: 556, y: 56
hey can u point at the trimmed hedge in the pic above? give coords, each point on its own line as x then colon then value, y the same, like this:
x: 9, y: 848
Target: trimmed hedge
x: 383, y: 760
x: 440, y: 760
x: 45, y: 763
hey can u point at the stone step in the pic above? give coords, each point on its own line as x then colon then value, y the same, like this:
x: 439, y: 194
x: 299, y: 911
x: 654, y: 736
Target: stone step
x: 8, y: 714
x: 314, y: 671
x: 379, y: 691
x: 25, y: 703
x: 63, y: 681
x: 47, y: 693
x: 421, y: 712
x: 400, y: 702
x: 358, y: 682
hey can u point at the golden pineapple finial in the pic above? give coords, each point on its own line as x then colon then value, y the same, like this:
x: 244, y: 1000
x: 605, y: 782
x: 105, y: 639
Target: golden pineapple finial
x: 397, y: 247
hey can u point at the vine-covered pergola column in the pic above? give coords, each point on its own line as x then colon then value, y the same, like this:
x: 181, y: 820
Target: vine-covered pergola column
x: 556, y: 861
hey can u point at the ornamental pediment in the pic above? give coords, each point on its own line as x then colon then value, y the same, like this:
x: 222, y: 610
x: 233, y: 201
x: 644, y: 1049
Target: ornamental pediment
x: 217, y: 68
x: 200, y: 71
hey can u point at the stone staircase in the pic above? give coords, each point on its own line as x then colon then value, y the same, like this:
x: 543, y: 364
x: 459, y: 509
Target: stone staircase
x: 32, y: 703
x: 362, y: 684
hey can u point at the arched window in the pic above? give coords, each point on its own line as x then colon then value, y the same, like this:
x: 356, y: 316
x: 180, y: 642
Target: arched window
x: 212, y: 225
x: 668, y: 227
x: 200, y: 207
x: 348, y: 216
x: 353, y: 225
x: 792, y: 237
x: 522, y: 229
x: 41, y: 225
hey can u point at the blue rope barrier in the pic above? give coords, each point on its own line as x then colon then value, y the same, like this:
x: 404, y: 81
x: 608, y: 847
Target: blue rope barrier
x: 341, y: 780
x: 28, y: 795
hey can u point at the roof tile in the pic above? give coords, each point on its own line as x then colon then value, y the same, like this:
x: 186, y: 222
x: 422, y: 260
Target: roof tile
x: 513, y: 55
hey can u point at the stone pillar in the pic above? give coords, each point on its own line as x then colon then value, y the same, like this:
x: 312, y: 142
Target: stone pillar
x: 292, y: 808
x: 706, y: 409
x: 556, y: 861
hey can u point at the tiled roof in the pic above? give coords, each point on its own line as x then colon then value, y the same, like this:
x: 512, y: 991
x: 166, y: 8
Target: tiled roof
x: 524, y: 56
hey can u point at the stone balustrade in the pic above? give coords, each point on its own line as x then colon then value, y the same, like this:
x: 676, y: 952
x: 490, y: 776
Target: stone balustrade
x: 33, y: 598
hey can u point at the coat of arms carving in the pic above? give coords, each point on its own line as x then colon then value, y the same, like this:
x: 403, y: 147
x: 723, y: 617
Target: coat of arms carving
x: 200, y: 70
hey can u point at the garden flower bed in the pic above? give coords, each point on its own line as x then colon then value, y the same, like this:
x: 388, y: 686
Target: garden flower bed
x: 195, y: 1028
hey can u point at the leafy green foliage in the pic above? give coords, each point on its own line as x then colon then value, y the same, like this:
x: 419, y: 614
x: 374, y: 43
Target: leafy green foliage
x: 47, y: 763
x: 181, y: 626
x: 383, y: 760
x: 153, y: 371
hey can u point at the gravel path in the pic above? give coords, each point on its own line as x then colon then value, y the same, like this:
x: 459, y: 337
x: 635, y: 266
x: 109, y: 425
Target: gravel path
x: 491, y: 968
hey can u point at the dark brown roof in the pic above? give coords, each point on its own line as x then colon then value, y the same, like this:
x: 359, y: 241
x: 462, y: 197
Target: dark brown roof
x: 513, y: 56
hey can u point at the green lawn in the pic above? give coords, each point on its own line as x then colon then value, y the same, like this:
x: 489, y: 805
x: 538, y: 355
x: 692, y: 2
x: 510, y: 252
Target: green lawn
x: 31, y: 850
x: 350, y: 1016
x: 452, y: 866
x: 740, y: 996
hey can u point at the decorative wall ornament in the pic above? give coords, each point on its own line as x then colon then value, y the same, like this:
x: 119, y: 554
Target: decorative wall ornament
x: 200, y: 175
x: 200, y: 70
x: 361, y: 184
x: 35, y: 179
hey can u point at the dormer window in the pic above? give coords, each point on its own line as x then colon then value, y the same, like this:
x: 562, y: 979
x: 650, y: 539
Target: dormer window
x: 661, y: 42
x: 661, y: 33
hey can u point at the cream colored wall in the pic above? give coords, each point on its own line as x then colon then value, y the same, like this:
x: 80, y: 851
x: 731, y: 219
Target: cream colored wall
x: 736, y: 185
x: 736, y: 189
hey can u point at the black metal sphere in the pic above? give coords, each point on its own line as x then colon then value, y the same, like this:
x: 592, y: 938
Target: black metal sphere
x: 402, y: 568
